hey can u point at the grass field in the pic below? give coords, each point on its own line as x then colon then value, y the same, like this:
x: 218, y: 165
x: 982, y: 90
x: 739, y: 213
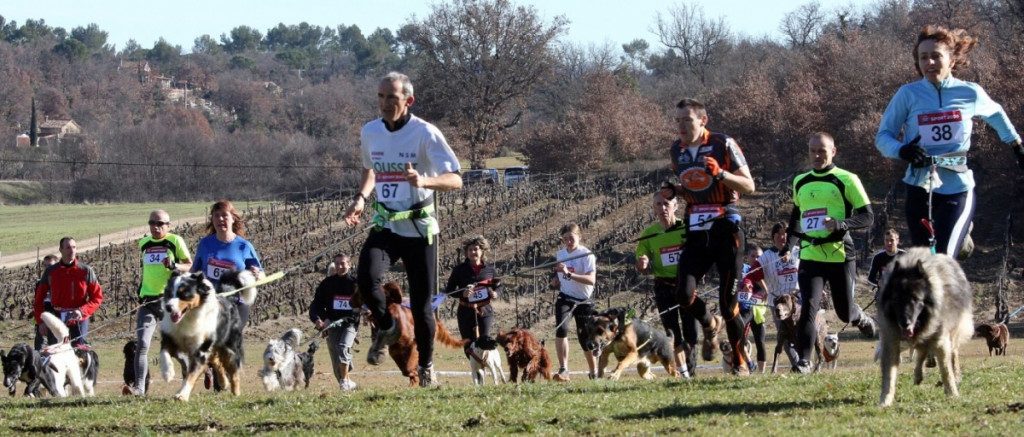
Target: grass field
x: 24, y: 228
x: 843, y: 402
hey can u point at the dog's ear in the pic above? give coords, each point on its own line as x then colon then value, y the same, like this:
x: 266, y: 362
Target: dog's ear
x: 3, y: 354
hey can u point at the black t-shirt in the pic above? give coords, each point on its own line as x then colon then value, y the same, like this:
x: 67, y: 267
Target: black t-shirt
x: 879, y: 263
x: 332, y: 300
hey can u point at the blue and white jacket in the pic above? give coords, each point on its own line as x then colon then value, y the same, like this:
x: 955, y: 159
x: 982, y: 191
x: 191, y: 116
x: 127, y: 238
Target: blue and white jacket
x: 942, y: 116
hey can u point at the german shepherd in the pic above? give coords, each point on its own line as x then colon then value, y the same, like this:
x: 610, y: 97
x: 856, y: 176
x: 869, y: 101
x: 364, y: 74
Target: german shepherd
x: 617, y: 331
x: 926, y: 304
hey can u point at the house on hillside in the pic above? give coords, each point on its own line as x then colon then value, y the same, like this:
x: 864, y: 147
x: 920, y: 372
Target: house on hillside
x: 22, y: 140
x: 57, y: 129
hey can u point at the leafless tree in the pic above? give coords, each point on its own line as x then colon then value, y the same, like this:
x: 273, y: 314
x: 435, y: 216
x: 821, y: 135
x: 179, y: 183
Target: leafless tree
x: 480, y: 59
x: 802, y: 26
x: 700, y: 42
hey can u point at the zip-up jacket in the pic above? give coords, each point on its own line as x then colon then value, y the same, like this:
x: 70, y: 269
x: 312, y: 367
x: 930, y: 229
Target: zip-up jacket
x: 70, y: 287
x: 942, y: 116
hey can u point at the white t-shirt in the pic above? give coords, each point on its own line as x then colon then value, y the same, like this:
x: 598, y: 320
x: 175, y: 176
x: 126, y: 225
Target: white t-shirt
x: 386, y: 153
x: 780, y: 277
x: 578, y: 266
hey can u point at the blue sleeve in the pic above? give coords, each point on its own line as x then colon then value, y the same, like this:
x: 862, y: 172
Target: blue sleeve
x: 251, y: 258
x: 994, y: 115
x: 889, y: 130
x: 198, y: 264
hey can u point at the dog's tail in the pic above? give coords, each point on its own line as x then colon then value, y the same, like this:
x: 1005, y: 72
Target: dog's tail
x: 56, y: 326
x: 239, y: 279
x: 442, y: 335
x: 293, y: 337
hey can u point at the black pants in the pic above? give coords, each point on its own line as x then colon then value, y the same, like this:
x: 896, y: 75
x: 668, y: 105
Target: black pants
x: 470, y: 319
x: 382, y: 249
x: 682, y: 326
x: 722, y: 246
x: 812, y: 277
x: 566, y: 306
x: 951, y: 218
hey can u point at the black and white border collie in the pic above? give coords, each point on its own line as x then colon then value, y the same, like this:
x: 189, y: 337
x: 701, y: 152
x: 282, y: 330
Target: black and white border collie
x: 202, y: 329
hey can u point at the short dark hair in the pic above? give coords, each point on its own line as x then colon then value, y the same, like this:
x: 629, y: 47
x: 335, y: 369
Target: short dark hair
x: 63, y: 241
x: 571, y: 227
x: 696, y: 105
x: 778, y: 227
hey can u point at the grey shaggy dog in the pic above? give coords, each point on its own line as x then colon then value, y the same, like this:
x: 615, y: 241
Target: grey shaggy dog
x: 925, y: 305
x: 282, y: 367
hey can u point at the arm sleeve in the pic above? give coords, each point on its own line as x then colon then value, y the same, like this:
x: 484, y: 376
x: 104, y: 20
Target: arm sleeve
x: 38, y: 305
x: 453, y: 280
x: 994, y: 116
x: 873, y: 273
x: 756, y: 272
x: 95, y: 293
x: 316, y: 307
x: 862, y: 218
x: 889, y: 130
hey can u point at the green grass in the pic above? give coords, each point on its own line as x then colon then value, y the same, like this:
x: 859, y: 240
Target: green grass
x: 500, y: 162
x: 828, y: 403
x: 21, y: 192
x: 24, y: 228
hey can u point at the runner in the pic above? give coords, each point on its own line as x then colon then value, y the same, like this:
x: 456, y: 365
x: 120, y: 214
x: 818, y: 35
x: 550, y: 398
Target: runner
x: 658, y: 252
x: 828, y: 203
x: 928, y: 124
x: 712, y: 174
x: 776, y: 271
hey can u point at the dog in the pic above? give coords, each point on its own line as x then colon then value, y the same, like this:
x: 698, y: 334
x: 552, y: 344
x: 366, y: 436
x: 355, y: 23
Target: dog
x: 282, y: 367
x: 484, y: 357
x: 128, y: 373
x: 728, y: 356
x: 996, y: 335
x: 76, y: 366
x: 787, y: 311
x: 617, y: 331
x: 830, y: 350
x: 403, y: 351
x: 25, y: 364
x: 926, y: 303
x: 306, y: 358
x: 201, y: 329
x: 821, y: 328
x: 524, y: 352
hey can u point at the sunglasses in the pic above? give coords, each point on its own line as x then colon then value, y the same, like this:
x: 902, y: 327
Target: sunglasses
x: 158, y: 223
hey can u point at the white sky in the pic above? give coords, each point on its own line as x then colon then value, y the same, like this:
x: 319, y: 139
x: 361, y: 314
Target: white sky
x: 181, y: 21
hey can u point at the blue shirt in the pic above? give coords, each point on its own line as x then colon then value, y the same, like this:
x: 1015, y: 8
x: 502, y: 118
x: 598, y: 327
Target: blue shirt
x: 214, y: 257
x: 942, y: 116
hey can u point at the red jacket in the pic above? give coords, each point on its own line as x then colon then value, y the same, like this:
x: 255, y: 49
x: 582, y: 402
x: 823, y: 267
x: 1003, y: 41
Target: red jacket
x: 69, y: 286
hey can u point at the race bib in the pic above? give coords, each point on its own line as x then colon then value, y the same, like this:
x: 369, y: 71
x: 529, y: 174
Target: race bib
x: 154, y: 255
x: 744, y: 297
x: 343, y: 303
x: 701, y: 216
x: 479, y: 293
x: 670, y: 255
x: 215, y: 268
x: 787, y: 278
x: 941, y: 128
x: 814, y: 220
x: 392, y: 186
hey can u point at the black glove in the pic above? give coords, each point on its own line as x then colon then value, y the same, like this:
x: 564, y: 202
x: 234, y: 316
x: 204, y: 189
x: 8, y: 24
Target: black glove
x: 914, y: 154
x: 1019, y: 152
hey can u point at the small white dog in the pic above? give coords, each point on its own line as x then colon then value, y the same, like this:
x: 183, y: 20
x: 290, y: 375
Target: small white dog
x: 281, y: 365
x: 482, y: 360
x: 60, y: 359
x: 830, y: 350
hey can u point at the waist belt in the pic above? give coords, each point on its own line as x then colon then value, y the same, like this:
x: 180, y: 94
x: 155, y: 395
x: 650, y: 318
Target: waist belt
x: 956, y: 161
x: 475, y: 305
x: 420, y: 210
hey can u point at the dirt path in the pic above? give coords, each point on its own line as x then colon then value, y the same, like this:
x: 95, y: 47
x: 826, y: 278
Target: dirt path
x: 85, y: 245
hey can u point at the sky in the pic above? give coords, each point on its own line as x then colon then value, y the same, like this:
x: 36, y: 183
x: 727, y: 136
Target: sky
x: 180, y: 22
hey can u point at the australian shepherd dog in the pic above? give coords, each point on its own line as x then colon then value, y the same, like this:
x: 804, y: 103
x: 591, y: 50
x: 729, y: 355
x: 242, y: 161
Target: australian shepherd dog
x: 202, y: 329
x: 282, y: 366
